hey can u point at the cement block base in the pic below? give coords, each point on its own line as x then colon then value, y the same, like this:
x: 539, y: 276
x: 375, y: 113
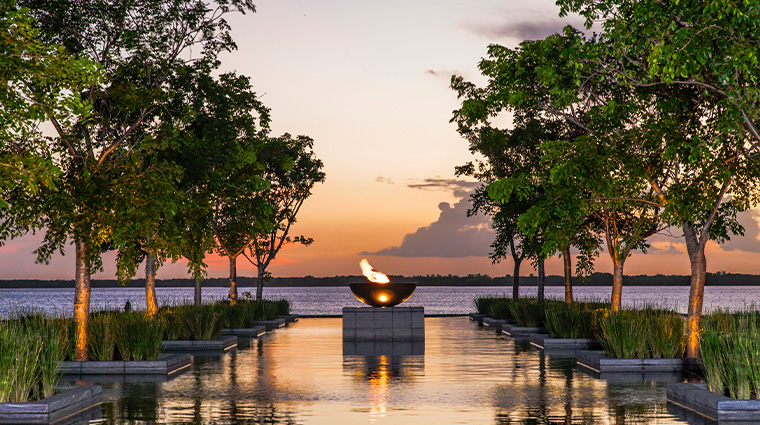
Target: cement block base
x: 383, y: 323
x: 544, y: 342
x: 226, y: 343
x: 272, y: 324
x: 697, y: 398
x: 494, y: 324
x: 521, y: 332
x: 289, y: 318
x: 383, y: 348
x: 166, y: 365
x: 477, y: 317
x: 598, y: 362
x: 253, y: 332
x: 58, y: 409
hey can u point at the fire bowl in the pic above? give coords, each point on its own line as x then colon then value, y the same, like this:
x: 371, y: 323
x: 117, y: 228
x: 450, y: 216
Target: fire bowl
x: 382, y: 294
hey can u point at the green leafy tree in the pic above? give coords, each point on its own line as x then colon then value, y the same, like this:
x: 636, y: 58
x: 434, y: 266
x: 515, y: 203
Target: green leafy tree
x: 292, y: 179
x: 138, y: 46
x: 39, y: 81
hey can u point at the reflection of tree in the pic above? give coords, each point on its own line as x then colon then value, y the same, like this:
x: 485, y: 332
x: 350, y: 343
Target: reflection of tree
x: 139, y: 402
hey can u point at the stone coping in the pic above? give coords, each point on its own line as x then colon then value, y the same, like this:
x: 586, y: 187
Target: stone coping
x: 477, y: 317
x: 253, y: 332
x: 289, y: 318
x: 697, y: 398
x: 272, y: 324
x: 225, y: 343
x: 598, y: 362
x: 494, y: 324
x: 73, y: 400
x: 167, y: 364
x: 544, y: 342
x: 515, y: 331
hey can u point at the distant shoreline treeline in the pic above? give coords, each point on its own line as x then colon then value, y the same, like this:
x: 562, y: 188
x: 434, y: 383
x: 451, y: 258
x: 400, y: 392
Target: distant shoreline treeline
x: 597, y: 279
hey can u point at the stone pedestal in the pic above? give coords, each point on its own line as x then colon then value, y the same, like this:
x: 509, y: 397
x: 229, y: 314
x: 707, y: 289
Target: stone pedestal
x: 383, y: 324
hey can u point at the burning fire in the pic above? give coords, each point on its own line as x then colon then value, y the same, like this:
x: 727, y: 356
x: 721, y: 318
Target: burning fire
x: 372, y: 274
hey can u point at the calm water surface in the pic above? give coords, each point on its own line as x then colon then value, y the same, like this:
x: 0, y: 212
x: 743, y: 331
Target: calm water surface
x: 301, y: 375
x: 330, y: 301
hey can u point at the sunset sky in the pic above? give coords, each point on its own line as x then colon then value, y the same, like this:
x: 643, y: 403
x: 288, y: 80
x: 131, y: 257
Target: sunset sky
x: 369, y: 82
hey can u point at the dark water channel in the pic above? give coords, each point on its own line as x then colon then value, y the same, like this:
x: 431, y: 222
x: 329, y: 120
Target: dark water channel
x: 467, y: 375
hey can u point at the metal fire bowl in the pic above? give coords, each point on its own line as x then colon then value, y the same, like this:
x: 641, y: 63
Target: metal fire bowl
x: 382, y: 294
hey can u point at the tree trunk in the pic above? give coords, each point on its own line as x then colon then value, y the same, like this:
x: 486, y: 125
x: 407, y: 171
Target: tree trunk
x: 541, y: 279
x: 617, y: 286
x: 198, y: 293
x: 260, y: 284
x: 698, y: 263
x: 150, y: 285
x: 568, y: 274
x: 516, y: 279
x: 81, y: 301
x: 233, y: 280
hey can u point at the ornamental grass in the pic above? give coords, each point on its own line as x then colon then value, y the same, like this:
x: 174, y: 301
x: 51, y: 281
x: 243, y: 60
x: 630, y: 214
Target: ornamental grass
x: 501, y: 310
x: 193, y: 323
x: 730, y: 347
x: 483, y: 303
x: 138, y: 336
x: 576, y: 320
x: 31, y: 351
x: 647, y: 332
x: 528, y: 312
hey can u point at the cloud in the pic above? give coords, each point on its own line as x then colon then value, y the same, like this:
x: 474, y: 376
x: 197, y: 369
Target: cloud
x: 381, y: 179
x: 460, y: 188
x: 505, y: 26
x: 453, y: 235
x: 750, y: 242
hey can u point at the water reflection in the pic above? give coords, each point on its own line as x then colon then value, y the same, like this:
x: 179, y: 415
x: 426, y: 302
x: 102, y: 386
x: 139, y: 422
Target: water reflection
x: 305, y: 374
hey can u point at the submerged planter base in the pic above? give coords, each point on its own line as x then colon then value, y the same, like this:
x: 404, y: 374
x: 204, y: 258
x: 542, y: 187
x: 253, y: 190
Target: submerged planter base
x: 477, y: 317
x: 73, y: 405
x: 544, y: 342
x: 226, y: 343
x: 272, y: 324
x: 383, y: 323
x: 253, y: 332
x: 289, y: 318
x: 597, y: 361
x: 521, y: 332
x: 494, y: 324
x: 697, y: 398
x: 166, y: 365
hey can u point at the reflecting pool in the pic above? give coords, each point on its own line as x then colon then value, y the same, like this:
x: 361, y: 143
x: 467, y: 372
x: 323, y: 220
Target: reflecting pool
x: 461, y: 375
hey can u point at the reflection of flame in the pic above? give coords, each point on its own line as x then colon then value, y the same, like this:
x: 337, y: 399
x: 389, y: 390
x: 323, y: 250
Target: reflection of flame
x: 378, y: 384
x: 372, y: 274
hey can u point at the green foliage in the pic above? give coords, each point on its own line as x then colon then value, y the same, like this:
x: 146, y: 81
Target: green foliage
x: 103, y: 335
x: 730, y: 348
x: 576, y: 320
x: 193, y: 323
x: 528, y: 312
x: 501, y: 309
x: 483, y: 303
x: 643, y: 333
x: 31, y: 350
x: 138, y: 337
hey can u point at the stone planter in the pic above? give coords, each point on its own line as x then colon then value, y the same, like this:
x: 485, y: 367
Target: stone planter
x: 493, y: 324
x: 477, y: 317
x: 597, y: 361
x: 253, y: 332
x: 697, y: 398
x: 272, y: 324
x: 521, y: 332
x: 73, y: 402
x: 226, y: 343
x: 289, y: 318
x: 544, y: 342
x: 166, y: 365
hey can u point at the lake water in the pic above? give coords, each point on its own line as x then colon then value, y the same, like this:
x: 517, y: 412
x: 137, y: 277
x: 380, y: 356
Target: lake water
x: 330, y: 301
x: 302, y: 374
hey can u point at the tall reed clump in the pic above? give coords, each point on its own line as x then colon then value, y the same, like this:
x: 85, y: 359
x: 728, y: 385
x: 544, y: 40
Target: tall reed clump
x: 483, y: 303
x: 31, y: 351
x: 245, y: 314
x: 138, y: 337
x: 576, y: 320
x: 642, y: 333
x: 501, y: 309
x: 102, y: 335
x: 194, y: 323
x: 730, y: 347
x: 528, y: 312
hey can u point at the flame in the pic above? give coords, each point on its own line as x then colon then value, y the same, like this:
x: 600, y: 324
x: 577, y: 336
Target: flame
x: 383, y: 298
x: 372, y: 274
